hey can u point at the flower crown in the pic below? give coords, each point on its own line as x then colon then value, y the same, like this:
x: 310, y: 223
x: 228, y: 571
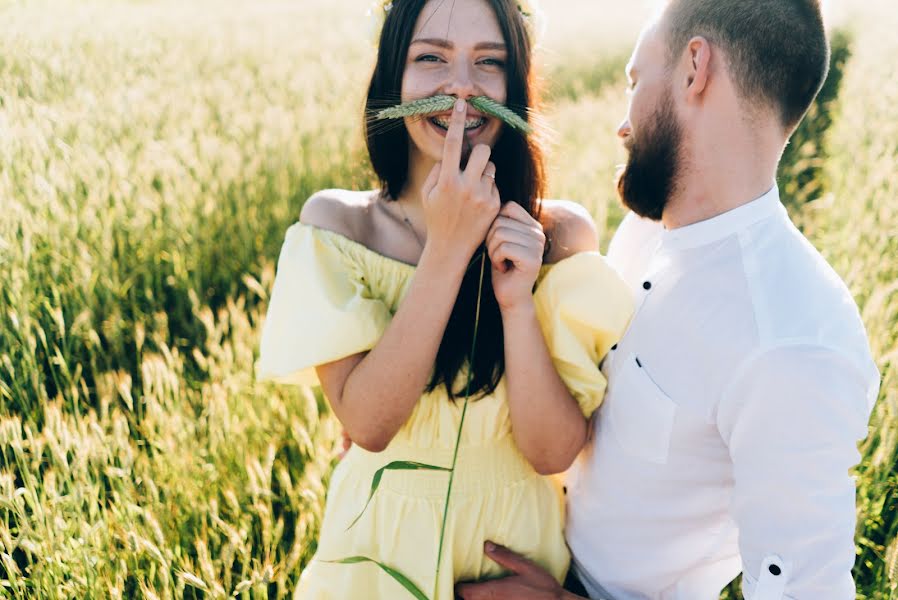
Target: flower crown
x: 533, y: 17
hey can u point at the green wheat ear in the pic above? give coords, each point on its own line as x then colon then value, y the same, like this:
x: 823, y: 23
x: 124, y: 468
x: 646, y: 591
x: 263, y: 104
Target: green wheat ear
x: 424, y: 106
x: 500, y: 111
x: 436, y: 104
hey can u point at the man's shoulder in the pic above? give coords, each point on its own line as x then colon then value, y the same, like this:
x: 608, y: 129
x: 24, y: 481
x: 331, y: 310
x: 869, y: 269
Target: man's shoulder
x: 790, y: 274
x: 798, y: 297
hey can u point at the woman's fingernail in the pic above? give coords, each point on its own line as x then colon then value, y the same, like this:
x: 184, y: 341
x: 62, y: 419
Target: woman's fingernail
x: 460, y: 105
x: 489, y: 546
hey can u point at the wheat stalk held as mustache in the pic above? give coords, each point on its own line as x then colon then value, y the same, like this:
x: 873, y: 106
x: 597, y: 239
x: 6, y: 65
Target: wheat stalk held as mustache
x: 437, y: 104
x: 490, y: 107
x: 415, y: 108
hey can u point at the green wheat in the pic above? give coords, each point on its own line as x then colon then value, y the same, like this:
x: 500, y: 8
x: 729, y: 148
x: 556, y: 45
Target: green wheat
x: 418, y: 108
x: 500, y: 111
x: 438, y: 104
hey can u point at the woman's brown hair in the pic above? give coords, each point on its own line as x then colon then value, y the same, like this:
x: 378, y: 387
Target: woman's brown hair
x: 520, y: 177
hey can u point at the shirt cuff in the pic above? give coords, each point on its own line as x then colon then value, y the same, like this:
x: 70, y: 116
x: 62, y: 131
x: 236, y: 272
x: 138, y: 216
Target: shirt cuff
x: 771, y: 584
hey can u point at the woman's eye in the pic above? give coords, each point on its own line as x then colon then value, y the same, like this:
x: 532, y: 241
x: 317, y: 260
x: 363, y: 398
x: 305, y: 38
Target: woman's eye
x: 427, y: 58
x: 493, y: 62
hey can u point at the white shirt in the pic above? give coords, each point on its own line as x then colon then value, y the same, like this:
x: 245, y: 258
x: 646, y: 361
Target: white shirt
x: 735, y: 403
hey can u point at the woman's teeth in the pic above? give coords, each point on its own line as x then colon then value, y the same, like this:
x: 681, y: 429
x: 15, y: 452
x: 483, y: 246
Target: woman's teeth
x: 443, y: 122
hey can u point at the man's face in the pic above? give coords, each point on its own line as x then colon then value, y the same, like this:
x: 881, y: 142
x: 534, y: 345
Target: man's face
x: 651, y: 133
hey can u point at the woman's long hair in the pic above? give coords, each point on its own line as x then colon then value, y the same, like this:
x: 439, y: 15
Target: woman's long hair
x: 520, y: 176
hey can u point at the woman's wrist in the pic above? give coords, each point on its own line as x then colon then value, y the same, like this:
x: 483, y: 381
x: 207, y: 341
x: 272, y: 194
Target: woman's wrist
x: 524, y: 310
x: 448, y: 262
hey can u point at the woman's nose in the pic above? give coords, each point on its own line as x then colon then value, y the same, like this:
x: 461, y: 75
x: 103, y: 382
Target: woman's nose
x: 461, y: 82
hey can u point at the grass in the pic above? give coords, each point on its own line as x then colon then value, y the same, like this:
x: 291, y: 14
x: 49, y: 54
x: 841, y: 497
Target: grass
x: 152, y: 155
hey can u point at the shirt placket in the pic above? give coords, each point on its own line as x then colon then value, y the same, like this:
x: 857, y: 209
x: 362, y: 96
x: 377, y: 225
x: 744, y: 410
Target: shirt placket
x: 648, y: 284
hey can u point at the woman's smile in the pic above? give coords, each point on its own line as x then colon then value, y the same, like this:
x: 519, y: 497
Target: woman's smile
x: 474, y: 125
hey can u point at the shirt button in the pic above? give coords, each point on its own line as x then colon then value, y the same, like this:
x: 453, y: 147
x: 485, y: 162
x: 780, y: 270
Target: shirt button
x: 775, y: 570
x: 647, y: 285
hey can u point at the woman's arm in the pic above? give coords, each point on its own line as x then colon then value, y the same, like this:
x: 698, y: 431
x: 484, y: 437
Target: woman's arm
x: 374, y: 394
x: 548, y: 425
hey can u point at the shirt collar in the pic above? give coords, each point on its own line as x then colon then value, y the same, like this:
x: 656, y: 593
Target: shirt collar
x: 724, y: 225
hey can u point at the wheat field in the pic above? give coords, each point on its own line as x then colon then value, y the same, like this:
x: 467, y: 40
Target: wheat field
x: 152, y: 155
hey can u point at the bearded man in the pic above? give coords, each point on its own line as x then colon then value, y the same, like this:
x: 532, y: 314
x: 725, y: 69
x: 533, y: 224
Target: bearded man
x: 738, y: 394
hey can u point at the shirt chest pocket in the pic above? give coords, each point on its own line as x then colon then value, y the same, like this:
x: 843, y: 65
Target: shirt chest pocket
x: 641, y: 414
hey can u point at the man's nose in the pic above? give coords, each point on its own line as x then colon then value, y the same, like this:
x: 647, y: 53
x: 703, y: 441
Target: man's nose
x: 624, y: 130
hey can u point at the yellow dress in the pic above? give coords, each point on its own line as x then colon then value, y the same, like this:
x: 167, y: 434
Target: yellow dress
x: 333, y: 298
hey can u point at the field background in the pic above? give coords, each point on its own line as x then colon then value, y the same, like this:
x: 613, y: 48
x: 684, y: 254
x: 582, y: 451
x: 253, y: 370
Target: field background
x: 152, y: 154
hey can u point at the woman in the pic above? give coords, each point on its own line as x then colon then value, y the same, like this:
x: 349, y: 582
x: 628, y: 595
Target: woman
x: 378, y: 291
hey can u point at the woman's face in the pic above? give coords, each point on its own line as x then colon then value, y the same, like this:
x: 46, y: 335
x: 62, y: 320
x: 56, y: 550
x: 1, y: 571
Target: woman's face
x: 457, y: 49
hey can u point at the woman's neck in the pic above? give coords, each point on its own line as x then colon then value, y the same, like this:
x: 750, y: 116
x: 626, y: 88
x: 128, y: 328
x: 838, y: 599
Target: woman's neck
x: 419, y: 168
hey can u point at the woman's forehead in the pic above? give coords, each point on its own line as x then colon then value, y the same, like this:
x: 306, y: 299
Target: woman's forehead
x: 462, y: 22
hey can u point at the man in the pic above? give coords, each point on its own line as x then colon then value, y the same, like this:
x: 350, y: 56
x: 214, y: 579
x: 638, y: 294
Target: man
x: 737, y: 397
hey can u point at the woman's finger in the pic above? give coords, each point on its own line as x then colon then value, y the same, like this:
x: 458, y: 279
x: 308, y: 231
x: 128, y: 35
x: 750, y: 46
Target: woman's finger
x: 515, y: 211
x: 509, y: 252
x: 454, y: 140
x: 530, y: 232
x: 507, y: 234
x: 531, y: 228
x: 488, y: 178
x: 478, y: 163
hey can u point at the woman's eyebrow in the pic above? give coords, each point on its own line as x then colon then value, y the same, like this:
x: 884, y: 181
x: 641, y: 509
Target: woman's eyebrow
x: 434, y: 42
x: 443, y: 43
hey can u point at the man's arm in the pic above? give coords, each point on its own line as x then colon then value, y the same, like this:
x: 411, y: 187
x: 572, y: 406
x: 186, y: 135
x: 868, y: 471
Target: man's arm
x: 528, y: 582
x: 792, y: 419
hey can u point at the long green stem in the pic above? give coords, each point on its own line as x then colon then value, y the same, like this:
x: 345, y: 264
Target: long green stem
x: 461, y: 424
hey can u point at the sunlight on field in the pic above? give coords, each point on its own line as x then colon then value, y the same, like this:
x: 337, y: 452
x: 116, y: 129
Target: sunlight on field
x: 152, y: 154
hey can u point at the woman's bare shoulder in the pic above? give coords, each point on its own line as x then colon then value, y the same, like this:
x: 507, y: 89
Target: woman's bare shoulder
x: 345, y: 212
x: 570, y: 229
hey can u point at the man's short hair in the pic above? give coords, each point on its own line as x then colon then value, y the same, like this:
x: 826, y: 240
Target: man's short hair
x: 777, y: 50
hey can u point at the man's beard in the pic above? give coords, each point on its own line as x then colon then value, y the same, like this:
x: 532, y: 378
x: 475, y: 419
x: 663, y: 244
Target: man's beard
x: 647, y: 182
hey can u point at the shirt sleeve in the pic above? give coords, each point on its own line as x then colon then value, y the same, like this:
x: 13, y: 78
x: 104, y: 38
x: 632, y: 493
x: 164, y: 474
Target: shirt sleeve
x: 583, y: 308
x: 320, y: 310
x: 792, y: 420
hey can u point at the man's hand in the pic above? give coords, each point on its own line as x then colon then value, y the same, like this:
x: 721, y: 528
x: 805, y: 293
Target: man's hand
x: 529, y: 582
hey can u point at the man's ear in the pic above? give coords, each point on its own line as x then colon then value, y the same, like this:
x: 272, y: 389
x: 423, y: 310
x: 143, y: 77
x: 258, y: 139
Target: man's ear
x: 698, y: 69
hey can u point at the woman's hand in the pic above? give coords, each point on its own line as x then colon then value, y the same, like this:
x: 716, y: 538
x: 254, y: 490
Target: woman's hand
x: 459, y: 206
x: 516, y: 245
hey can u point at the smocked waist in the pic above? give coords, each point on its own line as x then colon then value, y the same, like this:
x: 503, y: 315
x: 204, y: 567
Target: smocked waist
x: 479, y: 469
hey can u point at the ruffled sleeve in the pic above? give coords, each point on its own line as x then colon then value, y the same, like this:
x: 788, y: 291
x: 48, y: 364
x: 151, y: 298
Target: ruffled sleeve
x: 320, y: 309
x: 583, y: 307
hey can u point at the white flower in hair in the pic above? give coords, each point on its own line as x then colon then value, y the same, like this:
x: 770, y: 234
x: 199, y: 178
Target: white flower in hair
x: 534, y: 17
x: 377, y: 16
